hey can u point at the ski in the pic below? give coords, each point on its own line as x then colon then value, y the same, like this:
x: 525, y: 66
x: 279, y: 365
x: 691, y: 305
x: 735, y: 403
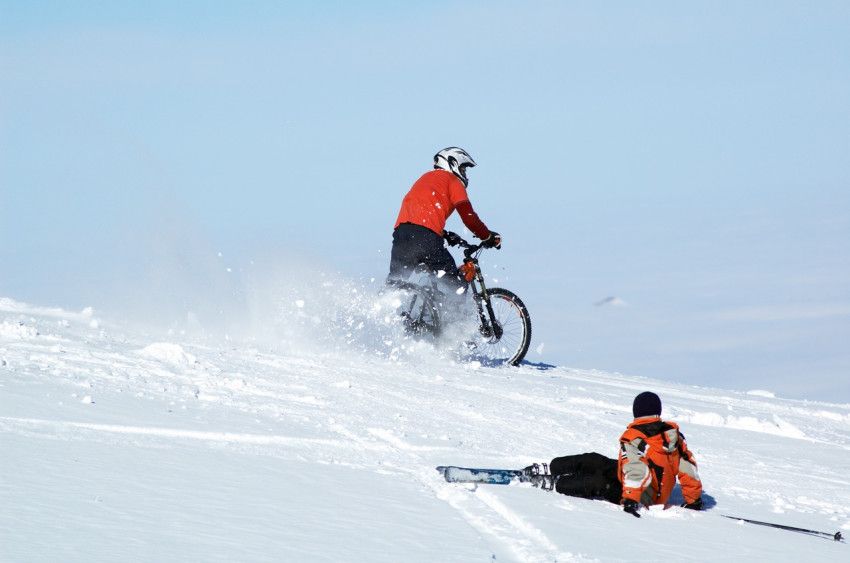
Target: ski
x: 836, y: 536
x: 454, y: 474
x: 536, y: 474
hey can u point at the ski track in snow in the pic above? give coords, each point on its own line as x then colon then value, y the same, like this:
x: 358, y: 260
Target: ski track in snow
x: 503, y: 525
x: 65, y: 378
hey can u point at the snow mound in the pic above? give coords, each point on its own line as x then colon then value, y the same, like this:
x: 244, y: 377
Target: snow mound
x: 169, y: 353
x: 86, y: 316
x: 761, y: 393
x: 776, y: 426
x: 17, y: 330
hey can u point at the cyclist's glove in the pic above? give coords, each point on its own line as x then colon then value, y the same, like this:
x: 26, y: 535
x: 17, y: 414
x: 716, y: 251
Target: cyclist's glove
x: 493, y: 241
x: 452, y: 239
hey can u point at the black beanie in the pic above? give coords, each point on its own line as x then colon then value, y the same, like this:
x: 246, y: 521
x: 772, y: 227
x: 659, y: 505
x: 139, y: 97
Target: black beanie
x: 646, y: 404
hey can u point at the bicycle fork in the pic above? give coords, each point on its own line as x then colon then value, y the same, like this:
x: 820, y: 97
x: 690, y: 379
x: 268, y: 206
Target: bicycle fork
x: 489, y: 327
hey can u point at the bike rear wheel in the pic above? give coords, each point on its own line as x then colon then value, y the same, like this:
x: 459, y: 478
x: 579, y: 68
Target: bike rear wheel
x: 511, y: 316
x: 420, y: 310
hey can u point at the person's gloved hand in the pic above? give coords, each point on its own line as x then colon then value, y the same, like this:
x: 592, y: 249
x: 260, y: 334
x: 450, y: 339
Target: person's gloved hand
x: 631, y: 507
x: 493, y: 241
x: 696, y: 505
x: 452, y: 239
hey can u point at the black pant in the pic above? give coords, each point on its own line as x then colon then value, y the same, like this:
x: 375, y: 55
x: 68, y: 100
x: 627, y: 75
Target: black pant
x: 419, y: 249
x: 589, y: 475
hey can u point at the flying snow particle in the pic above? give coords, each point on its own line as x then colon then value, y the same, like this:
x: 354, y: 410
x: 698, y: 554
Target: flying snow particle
x: 539, y: 349
x: 441, y: 273
x: 461, y: 290
x: 299, y: 303
x: 87, y: 400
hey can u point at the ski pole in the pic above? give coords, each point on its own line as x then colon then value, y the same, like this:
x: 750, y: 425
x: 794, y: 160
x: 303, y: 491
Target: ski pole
x: 836, y: 536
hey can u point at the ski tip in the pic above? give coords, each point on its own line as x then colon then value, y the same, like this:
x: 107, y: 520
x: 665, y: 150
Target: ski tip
x: 838, y: 537
x: 446, y: 472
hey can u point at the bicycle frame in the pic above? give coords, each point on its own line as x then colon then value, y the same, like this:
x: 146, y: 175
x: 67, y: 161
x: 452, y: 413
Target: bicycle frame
x: 504, y: 325
x: 471, y: 272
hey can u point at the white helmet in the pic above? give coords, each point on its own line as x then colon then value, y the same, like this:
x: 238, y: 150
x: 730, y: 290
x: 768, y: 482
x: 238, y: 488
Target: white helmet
x: 454, y: 160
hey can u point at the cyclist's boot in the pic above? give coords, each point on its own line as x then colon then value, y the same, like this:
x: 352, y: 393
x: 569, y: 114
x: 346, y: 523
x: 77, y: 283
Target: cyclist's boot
x: 539, y: 476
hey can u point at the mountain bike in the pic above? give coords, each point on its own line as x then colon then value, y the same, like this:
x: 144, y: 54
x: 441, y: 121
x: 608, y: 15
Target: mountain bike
x: 504, y: 325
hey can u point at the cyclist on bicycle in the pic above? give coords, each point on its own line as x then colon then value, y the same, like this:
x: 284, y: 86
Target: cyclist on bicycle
x: 420, y: 227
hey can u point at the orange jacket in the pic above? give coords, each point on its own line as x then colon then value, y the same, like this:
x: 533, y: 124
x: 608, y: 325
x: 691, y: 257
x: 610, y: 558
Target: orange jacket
x: 653, y: 454
x: 433, y: 198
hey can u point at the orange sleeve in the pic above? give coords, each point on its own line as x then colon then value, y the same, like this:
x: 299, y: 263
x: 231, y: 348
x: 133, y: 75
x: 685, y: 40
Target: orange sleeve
x: 460, y: 201
x: 457, y: 192
x: 633, y: 471
x: 688, y: 474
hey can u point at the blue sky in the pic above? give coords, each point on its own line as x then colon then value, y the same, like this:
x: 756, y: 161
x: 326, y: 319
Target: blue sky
x: 692, y: 159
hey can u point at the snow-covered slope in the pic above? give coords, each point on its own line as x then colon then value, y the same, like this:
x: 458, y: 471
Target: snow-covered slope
x: 115, y: 445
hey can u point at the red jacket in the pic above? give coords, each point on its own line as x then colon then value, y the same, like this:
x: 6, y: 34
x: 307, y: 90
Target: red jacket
x: 433, y: 198
x: 653, y: 454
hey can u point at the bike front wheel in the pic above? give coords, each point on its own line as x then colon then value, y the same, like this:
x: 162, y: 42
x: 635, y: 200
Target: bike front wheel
x: 509, y: 336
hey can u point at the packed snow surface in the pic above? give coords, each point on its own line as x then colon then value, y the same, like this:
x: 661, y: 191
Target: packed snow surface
x: 119, y: 446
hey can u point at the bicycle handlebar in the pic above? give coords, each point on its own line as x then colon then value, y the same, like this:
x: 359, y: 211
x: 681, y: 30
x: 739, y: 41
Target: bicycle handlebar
x: 469, y: 249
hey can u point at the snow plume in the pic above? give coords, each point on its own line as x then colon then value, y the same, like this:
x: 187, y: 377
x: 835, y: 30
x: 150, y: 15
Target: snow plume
x: 172, y: 278
x: 302, y: 307
x: 185, y: 286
